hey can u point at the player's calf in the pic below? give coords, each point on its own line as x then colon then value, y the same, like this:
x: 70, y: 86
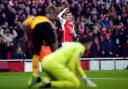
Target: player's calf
x: 35, y: 81
x: 89, y: 82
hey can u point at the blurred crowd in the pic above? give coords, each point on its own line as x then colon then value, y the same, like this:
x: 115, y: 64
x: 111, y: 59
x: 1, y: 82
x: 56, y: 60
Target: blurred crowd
x: 105, y: 20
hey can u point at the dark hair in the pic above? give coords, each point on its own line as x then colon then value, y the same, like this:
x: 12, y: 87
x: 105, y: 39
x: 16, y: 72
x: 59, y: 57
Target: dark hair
x: 85, y: 39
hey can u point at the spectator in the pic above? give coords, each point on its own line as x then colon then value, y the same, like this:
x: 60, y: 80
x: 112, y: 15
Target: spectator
x: 2, y: 49
x: 94, y: 17
x: 107, y: 47
x: 125, y: 49
x: 19, y: 53
x: 120, y: 41
x: 52, y: 10
x: 106, y: 22
x: 94, y: 51
x: 8, y: 38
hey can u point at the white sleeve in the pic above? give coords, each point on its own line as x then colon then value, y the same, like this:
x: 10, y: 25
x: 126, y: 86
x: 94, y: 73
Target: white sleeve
x: 2, y: 32
x: 14, y: 34
x: 60, y: 15
x: 74, y: 31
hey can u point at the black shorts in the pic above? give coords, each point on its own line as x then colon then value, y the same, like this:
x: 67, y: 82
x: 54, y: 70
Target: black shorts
x: 43, y: 32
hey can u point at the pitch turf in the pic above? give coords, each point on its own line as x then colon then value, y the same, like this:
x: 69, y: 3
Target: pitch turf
x: 104, y: 80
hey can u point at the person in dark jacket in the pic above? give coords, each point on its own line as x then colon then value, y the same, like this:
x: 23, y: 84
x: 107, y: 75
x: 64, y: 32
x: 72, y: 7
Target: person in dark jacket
x: 94, y: 51
x: 2, y: 49
x: 107, y: 47
x: 125, y: 48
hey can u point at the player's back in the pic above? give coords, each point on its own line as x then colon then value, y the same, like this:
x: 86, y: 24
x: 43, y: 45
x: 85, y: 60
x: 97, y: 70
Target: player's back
x: 65, y: 54
x: 39, y: 19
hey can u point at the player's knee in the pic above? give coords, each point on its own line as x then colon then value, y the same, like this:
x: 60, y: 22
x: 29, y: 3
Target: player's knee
x: 76, y: 83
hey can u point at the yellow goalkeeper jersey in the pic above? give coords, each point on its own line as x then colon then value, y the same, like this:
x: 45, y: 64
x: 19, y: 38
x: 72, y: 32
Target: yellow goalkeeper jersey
x: 68, y: 56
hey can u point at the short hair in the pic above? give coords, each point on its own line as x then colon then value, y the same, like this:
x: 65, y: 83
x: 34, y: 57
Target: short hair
x: 85, y: 39
x: 68, y: 12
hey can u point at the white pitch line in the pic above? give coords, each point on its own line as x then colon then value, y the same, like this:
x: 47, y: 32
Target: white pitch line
x: 109, y: 78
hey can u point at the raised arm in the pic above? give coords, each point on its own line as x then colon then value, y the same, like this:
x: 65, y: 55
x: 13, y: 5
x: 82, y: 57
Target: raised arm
x: 14, y: 35
x: 60, y: 15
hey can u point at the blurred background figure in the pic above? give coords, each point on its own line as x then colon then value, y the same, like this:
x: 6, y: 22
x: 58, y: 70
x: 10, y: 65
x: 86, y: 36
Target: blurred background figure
x: 107, y: 48
x: 8, y: 38
x: 2, y: 48
x: 19, y: 54
x: 125, y: 48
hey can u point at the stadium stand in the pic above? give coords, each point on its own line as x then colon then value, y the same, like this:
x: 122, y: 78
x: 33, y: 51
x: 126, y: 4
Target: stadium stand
x: 105, y: 20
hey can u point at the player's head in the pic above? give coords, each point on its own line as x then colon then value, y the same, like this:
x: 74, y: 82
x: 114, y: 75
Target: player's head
x: 86, y: 41
x: 68, y: 16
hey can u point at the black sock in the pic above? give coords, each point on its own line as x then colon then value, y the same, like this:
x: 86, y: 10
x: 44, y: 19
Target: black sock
x: 39, y: 79
x: 47, y: 85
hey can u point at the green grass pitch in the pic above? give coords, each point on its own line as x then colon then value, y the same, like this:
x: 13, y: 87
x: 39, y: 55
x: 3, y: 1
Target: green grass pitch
x: 104, y: 80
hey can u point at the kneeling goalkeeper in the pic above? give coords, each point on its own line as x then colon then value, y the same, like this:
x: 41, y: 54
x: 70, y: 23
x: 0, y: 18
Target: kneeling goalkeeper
x: 62, y: 66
